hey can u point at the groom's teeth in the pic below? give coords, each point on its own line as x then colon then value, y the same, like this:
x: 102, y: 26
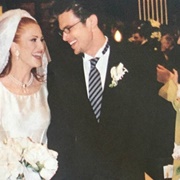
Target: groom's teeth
x: 72, y: 42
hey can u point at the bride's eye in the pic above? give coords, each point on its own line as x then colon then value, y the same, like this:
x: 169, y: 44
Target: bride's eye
x: 42, y: 39
x: 34, y: 39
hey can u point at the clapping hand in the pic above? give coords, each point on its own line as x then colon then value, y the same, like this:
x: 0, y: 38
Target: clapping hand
x: 164, y: 75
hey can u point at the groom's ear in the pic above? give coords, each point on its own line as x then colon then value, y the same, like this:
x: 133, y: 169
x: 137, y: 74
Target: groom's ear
x: 92, y: 21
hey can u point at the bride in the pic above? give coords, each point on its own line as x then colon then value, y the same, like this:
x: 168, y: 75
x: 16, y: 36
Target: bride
x: 24, y: 111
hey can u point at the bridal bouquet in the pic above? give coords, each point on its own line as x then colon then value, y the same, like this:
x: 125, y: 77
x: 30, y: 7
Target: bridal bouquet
x: 24, y: 159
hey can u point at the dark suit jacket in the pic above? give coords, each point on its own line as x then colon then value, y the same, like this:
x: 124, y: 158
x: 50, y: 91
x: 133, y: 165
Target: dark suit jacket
x: 161, y: 115
x: 110, y: 150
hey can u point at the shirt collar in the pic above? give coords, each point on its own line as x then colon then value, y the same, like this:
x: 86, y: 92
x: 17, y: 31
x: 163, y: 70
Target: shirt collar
x: 99, y: 53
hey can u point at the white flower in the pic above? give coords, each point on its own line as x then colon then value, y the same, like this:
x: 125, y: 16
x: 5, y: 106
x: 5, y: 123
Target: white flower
x: 22, y: 158
x: 42, y: 160
x: 176, y: 152
x: 50, y: 165
x: 10, y: 166
x: 30, y: 174
x: 117, y: 74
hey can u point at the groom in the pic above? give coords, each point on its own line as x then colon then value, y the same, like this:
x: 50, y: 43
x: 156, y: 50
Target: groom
x: 100, y: 139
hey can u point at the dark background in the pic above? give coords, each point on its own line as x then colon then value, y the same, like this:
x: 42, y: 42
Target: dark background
x: 125, y: 10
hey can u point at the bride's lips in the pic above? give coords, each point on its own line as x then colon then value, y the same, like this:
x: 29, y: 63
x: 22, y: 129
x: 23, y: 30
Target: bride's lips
x: 37, y: 55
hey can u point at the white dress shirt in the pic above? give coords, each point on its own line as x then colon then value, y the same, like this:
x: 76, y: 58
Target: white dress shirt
x: 101, y: 65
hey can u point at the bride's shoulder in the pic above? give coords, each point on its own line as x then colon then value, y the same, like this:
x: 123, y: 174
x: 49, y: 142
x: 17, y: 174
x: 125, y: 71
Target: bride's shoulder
x: 4, y: 80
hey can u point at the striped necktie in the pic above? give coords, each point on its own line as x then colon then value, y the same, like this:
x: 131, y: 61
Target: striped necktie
x: 95, y: 86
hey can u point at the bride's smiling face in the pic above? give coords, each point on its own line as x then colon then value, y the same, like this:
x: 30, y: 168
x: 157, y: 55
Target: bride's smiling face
x: 29, y: 42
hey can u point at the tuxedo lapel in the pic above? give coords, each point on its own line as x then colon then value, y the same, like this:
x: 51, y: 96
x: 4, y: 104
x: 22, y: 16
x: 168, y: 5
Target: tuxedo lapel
x: 80, y: 88
x: 116, y: 95
x: 115, y: 58
x: 80, y: 80
x: 112, y: 62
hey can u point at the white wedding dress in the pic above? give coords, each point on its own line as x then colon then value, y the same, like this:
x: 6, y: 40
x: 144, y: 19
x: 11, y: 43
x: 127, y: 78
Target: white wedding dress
x: 24, y: 115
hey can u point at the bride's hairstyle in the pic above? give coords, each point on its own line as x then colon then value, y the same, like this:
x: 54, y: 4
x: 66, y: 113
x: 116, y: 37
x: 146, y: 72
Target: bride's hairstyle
x: 11, y: 24
x: 23, y: 22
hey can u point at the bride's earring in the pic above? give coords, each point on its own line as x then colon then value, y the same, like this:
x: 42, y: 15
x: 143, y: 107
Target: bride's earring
x: 17, y: 54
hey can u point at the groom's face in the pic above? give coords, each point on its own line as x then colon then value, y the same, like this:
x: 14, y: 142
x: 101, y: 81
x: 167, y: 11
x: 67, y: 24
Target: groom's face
x: 79, y: 35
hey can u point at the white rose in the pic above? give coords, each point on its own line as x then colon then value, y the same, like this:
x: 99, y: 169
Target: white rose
x: 4, y: 172
x: 121, y: 70
x: 53, y: 153
x: 9, y: 165
x: 29, y: 174
x: 32, y: 155
x: 39, y: 155
x: 15, y: 168
x: 47, y: 174
x: 25, y: 143
x: 117, y: 74
x: 50, y: 165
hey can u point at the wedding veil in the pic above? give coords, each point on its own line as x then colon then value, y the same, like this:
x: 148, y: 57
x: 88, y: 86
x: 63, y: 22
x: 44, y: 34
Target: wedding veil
x: 8, y: 25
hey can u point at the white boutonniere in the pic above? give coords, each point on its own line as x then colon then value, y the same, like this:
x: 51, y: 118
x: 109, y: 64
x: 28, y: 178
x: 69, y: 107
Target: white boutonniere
x: 117, y: 73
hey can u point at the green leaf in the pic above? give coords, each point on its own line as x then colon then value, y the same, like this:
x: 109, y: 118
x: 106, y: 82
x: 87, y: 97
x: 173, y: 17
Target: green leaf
x: 178, y: 170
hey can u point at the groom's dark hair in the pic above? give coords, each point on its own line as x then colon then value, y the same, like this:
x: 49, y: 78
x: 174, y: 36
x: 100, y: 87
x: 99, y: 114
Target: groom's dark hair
x: 81, y: 8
